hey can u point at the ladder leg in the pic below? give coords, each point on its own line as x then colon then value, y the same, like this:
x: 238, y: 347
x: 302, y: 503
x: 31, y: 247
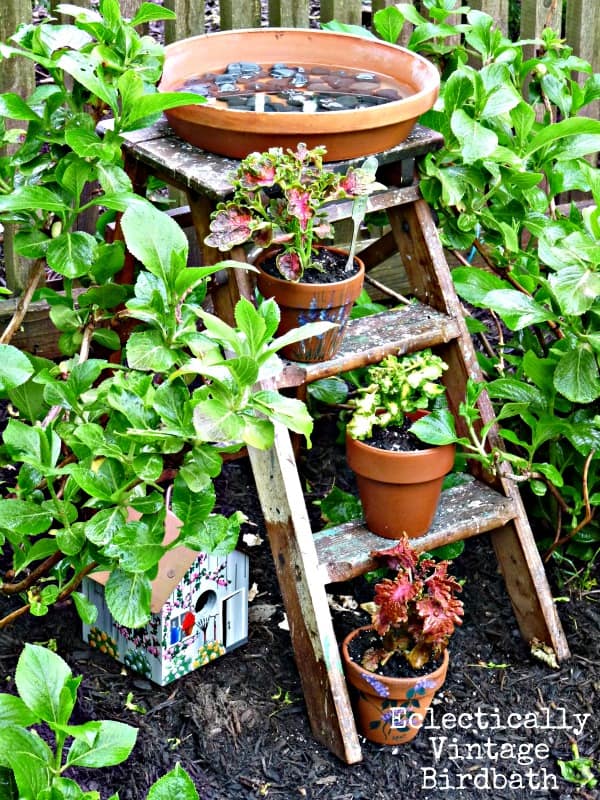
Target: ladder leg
x: 517, y: 553
x: 290, y: 536
x: 313, y: 639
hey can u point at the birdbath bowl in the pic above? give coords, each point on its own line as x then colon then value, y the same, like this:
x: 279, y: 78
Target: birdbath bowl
x: 399, y: 86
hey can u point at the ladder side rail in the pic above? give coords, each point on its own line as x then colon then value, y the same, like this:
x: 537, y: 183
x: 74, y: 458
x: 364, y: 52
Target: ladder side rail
x: 516, y: 550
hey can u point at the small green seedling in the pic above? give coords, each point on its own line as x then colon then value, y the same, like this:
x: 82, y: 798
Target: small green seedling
x: 29, y: 766
x: 131, y: 706
x: 580, y: 769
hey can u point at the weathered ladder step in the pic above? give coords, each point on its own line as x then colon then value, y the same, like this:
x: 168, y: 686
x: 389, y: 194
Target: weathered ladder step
x: 368, y: 339
x: 464, y: 511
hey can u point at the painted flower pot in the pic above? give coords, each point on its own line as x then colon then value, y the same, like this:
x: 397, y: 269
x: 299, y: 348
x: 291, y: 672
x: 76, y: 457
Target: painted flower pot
x: 390, y: 711
x: 345, y: 133
x: 399, y: 491
x: 300, y: 303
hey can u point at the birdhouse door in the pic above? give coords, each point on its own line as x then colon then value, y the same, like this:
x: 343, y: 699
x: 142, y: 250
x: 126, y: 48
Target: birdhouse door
x: 235, y: 615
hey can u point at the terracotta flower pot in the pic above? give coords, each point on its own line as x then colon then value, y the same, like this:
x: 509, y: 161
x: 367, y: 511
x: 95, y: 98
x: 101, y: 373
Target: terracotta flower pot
x: 390, y: 711
x: 346, y: 134
x: 399, y: 491
x: 301, y: 303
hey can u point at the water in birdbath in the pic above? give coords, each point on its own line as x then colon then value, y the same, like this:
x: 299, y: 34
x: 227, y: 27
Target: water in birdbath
x: 248, y: 86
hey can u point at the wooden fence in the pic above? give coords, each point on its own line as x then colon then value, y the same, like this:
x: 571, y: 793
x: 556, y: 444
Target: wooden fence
x: 580, y: 26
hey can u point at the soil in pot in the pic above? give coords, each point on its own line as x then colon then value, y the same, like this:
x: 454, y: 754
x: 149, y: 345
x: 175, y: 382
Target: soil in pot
x: 389, y: 710
x: 332, y: 267
x: 326, y: 295
x: 396, y: 439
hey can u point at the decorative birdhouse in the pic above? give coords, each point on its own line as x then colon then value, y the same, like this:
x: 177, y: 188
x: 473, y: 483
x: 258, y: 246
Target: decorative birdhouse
x: 199, y: 612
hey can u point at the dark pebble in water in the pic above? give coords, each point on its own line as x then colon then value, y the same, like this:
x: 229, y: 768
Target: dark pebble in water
x: 274, y: 85
x: 360, y: 87
x: 319, y: 86
x: 389, y: 94
x: 197, y: 88
x: 238, y: 103
x: 299, y: 81
x: 228, y: 87
x: 283, y: 72
x: 224, y: 78
x: 251, y: 86
x: 348, y: 100
x: 368, y: 100
x: 296, y: 99
x: 330, y: 105
x: 245, y: 67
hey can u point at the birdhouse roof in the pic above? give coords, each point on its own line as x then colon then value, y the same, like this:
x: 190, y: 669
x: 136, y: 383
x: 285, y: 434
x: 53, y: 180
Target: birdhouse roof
x: 172, y: 567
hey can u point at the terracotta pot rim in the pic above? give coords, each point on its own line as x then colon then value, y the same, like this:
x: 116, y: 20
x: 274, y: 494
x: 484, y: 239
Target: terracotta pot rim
x: 398, y: 683
x: 412, y: 455
x: 307, y: 288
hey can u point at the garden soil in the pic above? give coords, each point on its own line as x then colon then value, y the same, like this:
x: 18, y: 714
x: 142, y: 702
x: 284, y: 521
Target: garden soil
x: 239, y: 725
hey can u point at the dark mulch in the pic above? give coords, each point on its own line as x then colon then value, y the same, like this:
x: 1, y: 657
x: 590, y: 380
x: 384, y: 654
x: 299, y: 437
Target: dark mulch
x: 240, y: 728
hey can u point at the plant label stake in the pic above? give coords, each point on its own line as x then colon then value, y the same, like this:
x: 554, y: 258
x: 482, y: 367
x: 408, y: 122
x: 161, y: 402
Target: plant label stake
x: 359, y: 209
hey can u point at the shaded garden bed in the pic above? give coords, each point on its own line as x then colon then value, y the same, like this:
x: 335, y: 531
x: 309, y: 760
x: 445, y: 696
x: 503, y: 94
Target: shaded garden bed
x: 239, y: 725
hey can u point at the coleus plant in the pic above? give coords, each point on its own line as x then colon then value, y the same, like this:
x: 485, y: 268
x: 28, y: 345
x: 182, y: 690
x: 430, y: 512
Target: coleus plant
x: 391, y: 389
x: 416, y: 611
x: 279, y: 198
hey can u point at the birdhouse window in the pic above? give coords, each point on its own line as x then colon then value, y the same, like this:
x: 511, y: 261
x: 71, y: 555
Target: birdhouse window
x: 182, y: 626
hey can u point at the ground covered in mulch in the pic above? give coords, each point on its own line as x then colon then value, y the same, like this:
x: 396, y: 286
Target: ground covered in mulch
x: 239, y: 725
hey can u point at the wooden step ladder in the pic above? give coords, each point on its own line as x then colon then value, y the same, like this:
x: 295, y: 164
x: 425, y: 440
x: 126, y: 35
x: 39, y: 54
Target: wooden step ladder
x: 306, y: 562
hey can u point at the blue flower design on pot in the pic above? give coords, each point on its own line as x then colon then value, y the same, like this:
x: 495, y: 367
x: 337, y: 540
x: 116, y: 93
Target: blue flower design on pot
x: 377, y: 686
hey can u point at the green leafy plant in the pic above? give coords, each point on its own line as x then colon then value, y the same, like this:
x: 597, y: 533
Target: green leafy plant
x: 279, y: 198
x: 393, y: 388
x: 94, y: 439
x: 515, y: 139
x: 58, y: 167
x: 32, y: 767
x: 415, y: 611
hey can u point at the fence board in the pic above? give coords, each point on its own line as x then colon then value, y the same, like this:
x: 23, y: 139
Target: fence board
x: 190, y: 19
x: 583, y: 34
x: 497, y: 9
x: 539, y: 14
x: 289, y: 13
x: 239, y: 15
x: 16, y: 75
x: 349, y: 11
